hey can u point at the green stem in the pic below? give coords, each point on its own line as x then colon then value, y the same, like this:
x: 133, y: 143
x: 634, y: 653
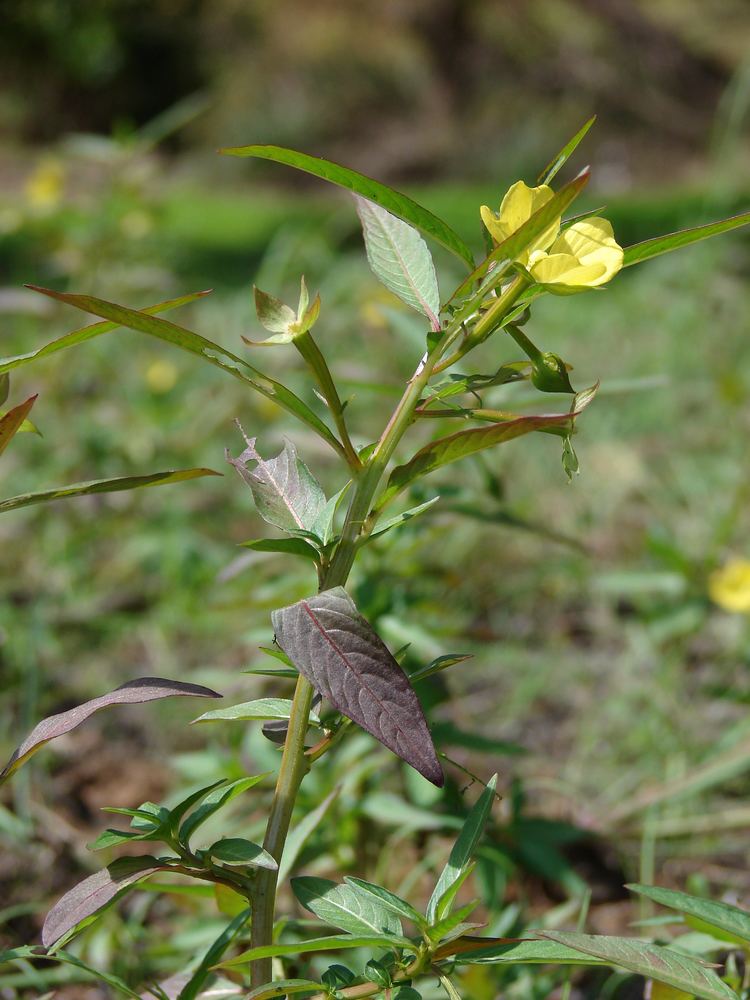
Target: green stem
x: 294, y: 764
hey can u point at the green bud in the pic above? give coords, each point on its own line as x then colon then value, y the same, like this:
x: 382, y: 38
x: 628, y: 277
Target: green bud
x: 550, y: 374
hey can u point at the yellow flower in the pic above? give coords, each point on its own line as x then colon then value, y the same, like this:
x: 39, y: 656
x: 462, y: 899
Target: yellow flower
x: 161, y: 376
x: 584, y: 255
x: 729, y: 587
x: 44, y: 188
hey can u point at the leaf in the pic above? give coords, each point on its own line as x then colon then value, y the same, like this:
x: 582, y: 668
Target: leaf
x: 300, y: 834
x: 287, y: 546
x: 464, y: 848
x: 438, y: 664
x: 442, y: 928
x: 399, y: 257
x: 403, y: 517
x: 195, y: 344
x: 94, y: 893
x: 388, y: 899
x: 341, y: 655
x: 451, y: 991
x: 104, y: 486
x: 339, y: 943
x: 11, y: 422
x: 286, y: 493
x: 134, y: 692
x: 510, y: 951
x: 214, y: 801
x: 237, y: 852
x: 341, y: 906
x: 261, y: 708
x: 557, y: 162
x: 731, y: 919
x: 639, y: 252
x: 463, y: 443
x: 393, y: 201
x: 65, y: 958
x: 4, y: 387
x: 89, y: 332
x: 663, y: 964
x: 283, y: 988
x: 507, y: 252
x: 195, y: 983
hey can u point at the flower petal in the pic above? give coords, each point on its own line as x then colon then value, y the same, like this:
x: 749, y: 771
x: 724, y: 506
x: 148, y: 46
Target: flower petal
x: 565, y: 271
x: 518, y: 205
x: 592, y: 241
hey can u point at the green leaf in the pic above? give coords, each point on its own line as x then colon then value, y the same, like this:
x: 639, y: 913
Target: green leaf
x: 340, y: 943
x: 260, y: 708
x: 506, y: 253
x: 12, y: 421
x: 662, y: 964
x: 283, y: 988
x: 4, y: 387
x: 388, y: 899
x: 399, y: 257
x: 517, y: 952
x: 238, y: 852
x: 89, y: 332
x: 27, y: 952
x: 450, y: 990
x: 438, y: 664
x: 639, y: 252
x: 463, y: 850
x: 442, y: 928
x: 118, y: 485
x: 557, y: 162
x: 286, y: 493
x: 463, y: 443
x: 195, y: 344
x: 732, y: 919
x: 301, y: 832
x: 341, y: 906
x: 286, y: 546
x: 194, y: 985
x: 393, y: 201
x: 214, y: 801
x: 403, y: 517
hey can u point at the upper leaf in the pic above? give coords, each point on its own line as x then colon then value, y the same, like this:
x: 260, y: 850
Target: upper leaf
x: 639, y: 252
x: 341, y: 906
x: 118, y: 485
x: 342, y: 656
x: 663, y: 964
x: 722, y: 915
x: 286, y: 493
x: 463, y: 850
x: 387, y: 899
x: 399, y: 257
x: 399, y: 204
x: 559, y: 161
x: 10, y: 422
x: 132, y: 693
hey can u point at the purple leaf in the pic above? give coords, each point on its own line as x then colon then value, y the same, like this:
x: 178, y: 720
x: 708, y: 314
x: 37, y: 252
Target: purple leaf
x: 341, y: 655
x: 94, y: 893
x: 132, y: 693
x: 11, y: 421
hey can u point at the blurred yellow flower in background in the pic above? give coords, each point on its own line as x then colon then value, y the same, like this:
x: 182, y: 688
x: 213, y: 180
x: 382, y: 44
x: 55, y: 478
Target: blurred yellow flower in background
x: 161, y: 376
x: 729, y: 587
x: 44, y: 187
x: 584, y: 255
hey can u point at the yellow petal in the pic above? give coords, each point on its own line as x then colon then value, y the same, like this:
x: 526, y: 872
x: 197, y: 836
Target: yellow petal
x: 518, y: 205
x: 592, y: 241
x: 565, y: 271
x: 729, y: 587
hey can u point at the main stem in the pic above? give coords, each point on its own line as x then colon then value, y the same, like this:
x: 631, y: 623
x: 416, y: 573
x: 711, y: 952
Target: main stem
x: 294, y: 765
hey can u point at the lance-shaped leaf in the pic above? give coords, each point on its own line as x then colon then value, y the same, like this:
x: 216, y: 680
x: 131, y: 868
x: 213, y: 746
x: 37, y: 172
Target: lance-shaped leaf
x: 236, y: 852
x: 65, y: 958
x: 191, y: 985
x: 639, y: 252
x: 4, y: 387
x: 559, y: 161
x: 260, y: 708
x: 387, y: 899
x: 730, y: 919
x: 284, y: 988
x: 399, y: 257
x: 393, y: 201
x: 662, y: 964
x: 215, y: 800
x: 465, y: 443
x: 403, y: 517
x: 286, y: 493
x: 117, y: 485
x: 339, y: 943
x: 503, y: 256
x: 94, y: 893
x: 134, y: 692
x: 463, y: 850
x: 11, y: 422
x: 89, y: 332
x: 512, y: 951
x: 343, y: 657
x: 203, y: 348
x: 341, y: 906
